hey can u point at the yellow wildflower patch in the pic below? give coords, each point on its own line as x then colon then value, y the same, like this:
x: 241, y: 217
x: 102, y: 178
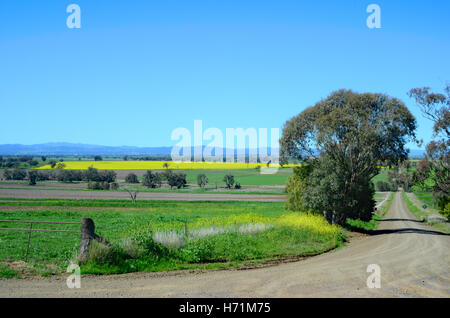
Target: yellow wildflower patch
x: 306, y: 221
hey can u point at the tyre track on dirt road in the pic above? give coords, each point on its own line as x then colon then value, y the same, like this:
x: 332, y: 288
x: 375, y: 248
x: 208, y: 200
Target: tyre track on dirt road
x: 413, y: 257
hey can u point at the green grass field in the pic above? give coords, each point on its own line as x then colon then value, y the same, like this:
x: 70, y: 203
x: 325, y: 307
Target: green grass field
x: 244, y: 176
x: 253, y: 177
x: 251, y: 181
x: 264, y: 237
x: 124, y: 223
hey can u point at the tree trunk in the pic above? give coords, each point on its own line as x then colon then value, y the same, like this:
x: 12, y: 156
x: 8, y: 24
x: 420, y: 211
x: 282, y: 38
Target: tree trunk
x: 328, y: 216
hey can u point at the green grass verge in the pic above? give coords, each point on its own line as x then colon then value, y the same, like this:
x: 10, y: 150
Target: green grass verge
x: 418, y: 213
x: 7, y: 272
x: 218, y: 251
x: 363, y: 226
x: 427, y: 198
x: 421, y: 215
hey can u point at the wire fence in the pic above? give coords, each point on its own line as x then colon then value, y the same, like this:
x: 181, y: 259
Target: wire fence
x: 38, y: 240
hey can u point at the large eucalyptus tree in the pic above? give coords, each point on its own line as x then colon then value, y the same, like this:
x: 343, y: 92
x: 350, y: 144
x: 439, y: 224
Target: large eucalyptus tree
x: 345, y: 137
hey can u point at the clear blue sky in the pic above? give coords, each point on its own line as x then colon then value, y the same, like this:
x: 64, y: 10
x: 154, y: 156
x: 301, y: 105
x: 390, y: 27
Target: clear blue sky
x: 136, y: 70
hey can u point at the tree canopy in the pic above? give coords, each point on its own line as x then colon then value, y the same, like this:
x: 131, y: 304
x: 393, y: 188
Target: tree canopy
x: 436, y: 107
x: 345, y: 137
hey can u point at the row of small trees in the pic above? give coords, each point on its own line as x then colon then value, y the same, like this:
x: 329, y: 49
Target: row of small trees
x: 176, y: 180
x: 90, y: 175
x: 16, y: 162
x: 33, y: 176
x: 202, y: 181
x: 106, y: 179
x: 16, y: 174
x: 229, y: 181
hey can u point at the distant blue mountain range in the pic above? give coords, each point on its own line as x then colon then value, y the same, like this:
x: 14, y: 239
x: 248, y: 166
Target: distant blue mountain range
x: 74, y: 149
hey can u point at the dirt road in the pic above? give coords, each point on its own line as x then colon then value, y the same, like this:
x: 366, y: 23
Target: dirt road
x: 115, y: 195
x: 414, y: 261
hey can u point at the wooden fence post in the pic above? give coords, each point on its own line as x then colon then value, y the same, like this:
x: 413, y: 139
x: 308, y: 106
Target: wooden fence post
x: 87, y: 233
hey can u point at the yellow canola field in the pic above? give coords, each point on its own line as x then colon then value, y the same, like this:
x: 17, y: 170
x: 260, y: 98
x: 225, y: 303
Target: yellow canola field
x: 157, y: 165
